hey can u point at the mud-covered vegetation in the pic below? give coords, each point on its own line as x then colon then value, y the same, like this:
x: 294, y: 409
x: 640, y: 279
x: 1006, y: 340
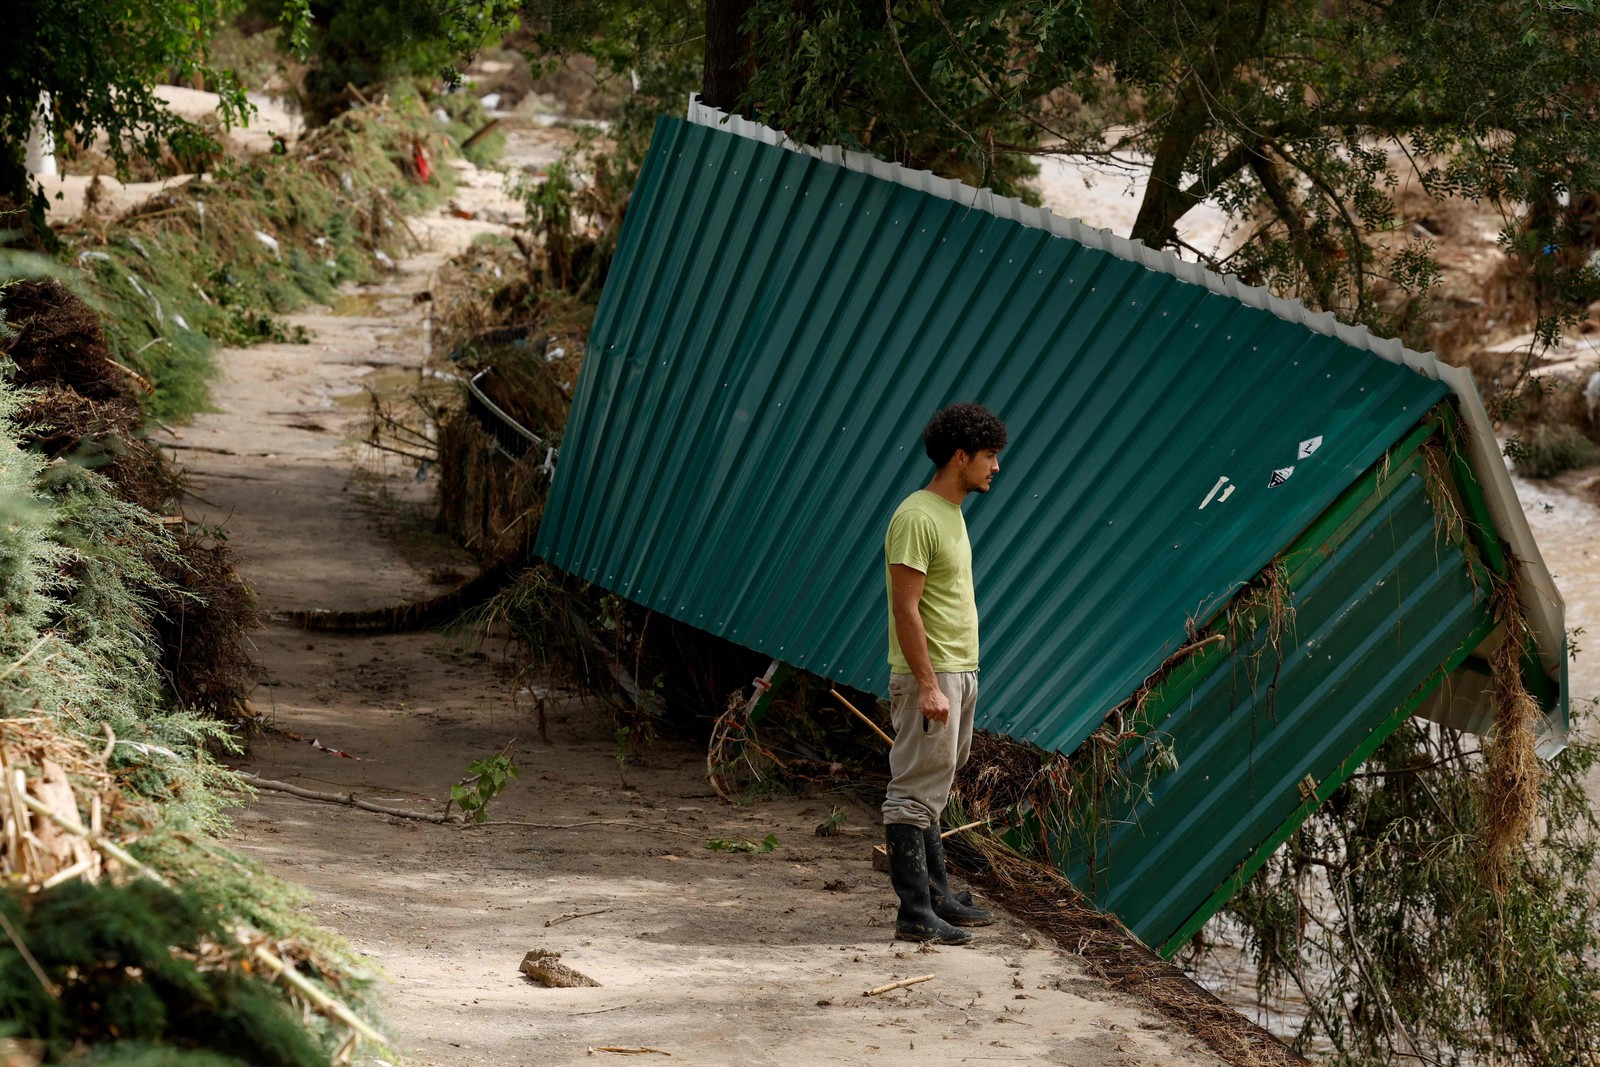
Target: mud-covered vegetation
x: 124, y: 673
x: 130, y: 936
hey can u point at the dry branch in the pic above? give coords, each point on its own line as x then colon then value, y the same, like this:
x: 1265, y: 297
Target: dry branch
x: 901, y: 984
x: 347, y: 799
x: 569, y: 916
x: 875, y: 728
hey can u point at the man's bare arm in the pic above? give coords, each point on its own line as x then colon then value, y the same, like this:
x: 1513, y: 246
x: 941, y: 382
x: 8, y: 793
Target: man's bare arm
x: 907, y: 585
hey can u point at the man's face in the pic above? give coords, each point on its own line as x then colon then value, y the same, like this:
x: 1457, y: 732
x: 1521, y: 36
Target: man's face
x: 977, y: 473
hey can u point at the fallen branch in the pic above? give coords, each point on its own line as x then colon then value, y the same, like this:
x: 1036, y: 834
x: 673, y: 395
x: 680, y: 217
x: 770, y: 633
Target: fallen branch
x: 576, y: 825
x: 347, y: 799
x: 559, y: 919
x: 636, y: 1050
x: 875, y: 728
x: 897, y: 985
x: 480, y: 134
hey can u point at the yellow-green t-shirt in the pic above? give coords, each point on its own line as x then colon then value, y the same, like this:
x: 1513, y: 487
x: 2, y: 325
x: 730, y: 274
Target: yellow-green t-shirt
x: 929, y: 533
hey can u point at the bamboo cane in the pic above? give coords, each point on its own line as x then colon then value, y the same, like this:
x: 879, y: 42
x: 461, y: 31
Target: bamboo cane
x: 897, y: 985
x: 875, y: 728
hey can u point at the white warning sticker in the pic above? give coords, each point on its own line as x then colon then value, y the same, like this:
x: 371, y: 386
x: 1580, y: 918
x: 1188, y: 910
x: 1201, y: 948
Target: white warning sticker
x: 1309, y: 445
x: 1279, y: 476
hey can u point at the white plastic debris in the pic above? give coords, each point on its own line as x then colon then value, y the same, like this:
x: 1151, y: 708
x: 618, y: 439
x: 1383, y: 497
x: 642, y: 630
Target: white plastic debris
x: 490, y: 101
x: 142, y: 291
x: 270, y: 241
x: 553, y: 354
x: 82, y: 256
x: 146, y: 749
x: 383, y: 257
x: 320, y: 242
x: 179, y: 319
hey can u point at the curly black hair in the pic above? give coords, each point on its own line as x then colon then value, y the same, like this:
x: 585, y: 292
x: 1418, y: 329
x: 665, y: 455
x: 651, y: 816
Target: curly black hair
x: 968, y: 427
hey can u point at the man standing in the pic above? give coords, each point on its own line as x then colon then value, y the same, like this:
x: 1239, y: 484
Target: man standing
x: 933, y: 660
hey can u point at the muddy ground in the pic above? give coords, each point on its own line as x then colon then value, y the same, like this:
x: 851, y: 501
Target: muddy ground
x: 713, y: 957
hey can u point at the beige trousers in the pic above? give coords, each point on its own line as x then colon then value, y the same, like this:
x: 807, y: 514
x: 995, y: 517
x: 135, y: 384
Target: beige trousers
x: 926, y: 754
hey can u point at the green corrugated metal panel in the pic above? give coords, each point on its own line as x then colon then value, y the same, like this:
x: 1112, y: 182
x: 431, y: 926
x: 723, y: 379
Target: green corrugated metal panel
x: 774, y: 332
x: 1389, y: 604
x: 1486, y: 468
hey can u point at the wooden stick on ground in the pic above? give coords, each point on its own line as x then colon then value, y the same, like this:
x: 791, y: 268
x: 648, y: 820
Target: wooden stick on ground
x: 559, y: 919
x: 637, y: 1050
x: 348, y: 799
x: 853, y: 710
x: 626, y: 824
x: 897, y: 985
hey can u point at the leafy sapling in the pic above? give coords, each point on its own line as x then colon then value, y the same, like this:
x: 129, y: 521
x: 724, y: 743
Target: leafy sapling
x: 486, y: 779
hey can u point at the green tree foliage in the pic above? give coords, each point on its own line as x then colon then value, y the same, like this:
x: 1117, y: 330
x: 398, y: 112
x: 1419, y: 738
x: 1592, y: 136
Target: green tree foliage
x: 100, y: 60
x: 1375, y: 918
x: 944, y: 86
x: 648, y: 54
x: 364, y: 43
x: 1298, y: 117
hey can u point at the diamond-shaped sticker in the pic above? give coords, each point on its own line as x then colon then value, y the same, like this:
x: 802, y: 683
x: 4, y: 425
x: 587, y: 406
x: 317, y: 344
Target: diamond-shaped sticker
x: 1279, y: 476
x: 1308, y: 446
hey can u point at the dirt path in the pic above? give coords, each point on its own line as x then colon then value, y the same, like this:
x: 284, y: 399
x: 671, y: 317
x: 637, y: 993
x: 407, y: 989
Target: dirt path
x: 716, y: 958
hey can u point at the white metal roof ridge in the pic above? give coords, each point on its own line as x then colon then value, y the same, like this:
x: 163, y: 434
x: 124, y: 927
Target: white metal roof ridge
x: 1543, y: 602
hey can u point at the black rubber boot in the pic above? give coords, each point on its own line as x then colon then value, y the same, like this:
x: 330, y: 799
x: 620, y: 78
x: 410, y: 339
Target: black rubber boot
x: 908, y: 870
x: 953, y: 908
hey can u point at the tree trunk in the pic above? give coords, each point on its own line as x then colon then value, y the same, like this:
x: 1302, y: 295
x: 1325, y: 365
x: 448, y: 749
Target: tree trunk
x: 727, y: 68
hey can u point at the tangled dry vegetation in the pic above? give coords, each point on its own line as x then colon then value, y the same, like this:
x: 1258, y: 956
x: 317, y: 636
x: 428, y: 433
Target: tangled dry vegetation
x: 80, y: 406
x: 219, y: 259
x: 123, y: 668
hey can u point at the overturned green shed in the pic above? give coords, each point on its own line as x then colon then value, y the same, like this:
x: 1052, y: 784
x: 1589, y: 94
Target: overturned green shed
x: 780, y: 321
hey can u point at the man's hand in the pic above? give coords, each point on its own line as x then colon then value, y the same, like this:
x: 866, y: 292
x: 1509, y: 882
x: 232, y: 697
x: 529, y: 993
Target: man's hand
x: 935, y: 705
x: 907, y: 584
